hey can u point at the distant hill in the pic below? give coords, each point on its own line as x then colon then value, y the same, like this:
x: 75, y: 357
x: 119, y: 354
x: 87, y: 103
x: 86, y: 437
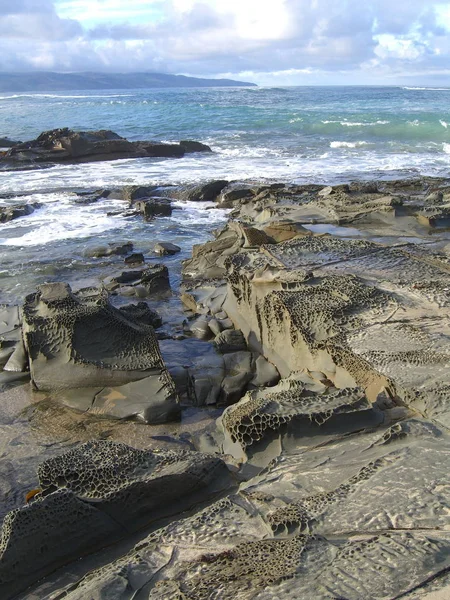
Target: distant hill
x: 57, y: 82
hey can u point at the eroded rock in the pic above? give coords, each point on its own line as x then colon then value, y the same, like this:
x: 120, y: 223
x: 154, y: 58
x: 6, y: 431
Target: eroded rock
x: 78, y: 340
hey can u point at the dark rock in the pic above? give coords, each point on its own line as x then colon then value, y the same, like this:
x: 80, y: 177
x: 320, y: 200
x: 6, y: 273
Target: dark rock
x: 90, y: 197
x: 158, y: 149
x: 156, y: 279
x: 192, y: 146
x: 153, y: 208
x: 142, y: 313
x: 200, y: 328
x: 166, y: 248
x: 9, y: 213
x: 66, y: 145
x: 134, y: 259
x: 206, y: 192
x: 128, y: 277
x: 135, y: 192
x: 110, y: 250
x: 7, y: 143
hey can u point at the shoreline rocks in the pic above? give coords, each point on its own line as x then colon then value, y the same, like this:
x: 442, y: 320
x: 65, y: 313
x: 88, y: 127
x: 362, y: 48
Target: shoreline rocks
x: 68, y: 146
x: 329, y: 311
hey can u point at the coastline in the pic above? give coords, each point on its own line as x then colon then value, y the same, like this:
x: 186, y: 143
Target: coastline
x: 344, y: 289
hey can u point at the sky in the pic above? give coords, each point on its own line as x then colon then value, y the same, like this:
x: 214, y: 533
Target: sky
x: 269, y: 42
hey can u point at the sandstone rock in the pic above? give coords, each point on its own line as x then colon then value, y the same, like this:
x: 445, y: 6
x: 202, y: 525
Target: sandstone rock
x: 166, y: 248
x: 326, y: 191
x: 95, y: 495
x: 230, y: 340
x: 278, y: 416
x: 266, y: 374
x: 78, y: 340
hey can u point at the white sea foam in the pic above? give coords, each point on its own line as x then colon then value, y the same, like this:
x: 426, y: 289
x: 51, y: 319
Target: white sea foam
x: 13, y: 96
x: 427, y: 89
x: 347, y: 144
x: 295, y: 120
x: 443, y: 123
x: 446, y: 148
x: 358, y: 123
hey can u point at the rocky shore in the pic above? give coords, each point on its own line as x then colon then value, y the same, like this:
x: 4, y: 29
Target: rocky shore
x: 70, y: 147
x: 316, y: 465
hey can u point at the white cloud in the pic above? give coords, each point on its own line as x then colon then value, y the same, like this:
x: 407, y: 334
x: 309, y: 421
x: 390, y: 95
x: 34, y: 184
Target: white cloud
x: 282, y: 40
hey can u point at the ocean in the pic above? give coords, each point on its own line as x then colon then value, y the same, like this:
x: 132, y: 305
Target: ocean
x: 297, y: 134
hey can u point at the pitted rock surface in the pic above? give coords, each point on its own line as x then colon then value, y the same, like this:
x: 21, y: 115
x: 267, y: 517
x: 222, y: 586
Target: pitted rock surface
x: 79, y: 340
x: 95, y: 495
x: 293, y: 408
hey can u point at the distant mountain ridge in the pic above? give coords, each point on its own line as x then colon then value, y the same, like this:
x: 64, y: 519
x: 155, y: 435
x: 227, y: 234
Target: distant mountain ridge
x: 57, y: 82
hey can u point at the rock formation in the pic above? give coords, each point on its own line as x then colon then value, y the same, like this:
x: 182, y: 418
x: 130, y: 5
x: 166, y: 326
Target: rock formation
x: 79, y: 341
x: 68, y: 146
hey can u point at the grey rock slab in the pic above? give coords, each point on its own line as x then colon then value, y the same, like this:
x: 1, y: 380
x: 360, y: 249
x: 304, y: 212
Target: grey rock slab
x: 79, y: 340
x: 266, y: 373
x: 166, y: 248
x: 230, y: 340
x: 93, y: 496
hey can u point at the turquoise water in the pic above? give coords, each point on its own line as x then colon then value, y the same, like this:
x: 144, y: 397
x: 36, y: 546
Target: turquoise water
x: 307, y: 134
x: 290, y: 133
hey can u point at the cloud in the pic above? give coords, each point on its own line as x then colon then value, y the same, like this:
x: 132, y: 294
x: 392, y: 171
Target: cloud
x: 289, y: 40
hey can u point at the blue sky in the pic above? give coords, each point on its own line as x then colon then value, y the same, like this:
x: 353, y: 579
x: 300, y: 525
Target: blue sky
x: 272, y: 42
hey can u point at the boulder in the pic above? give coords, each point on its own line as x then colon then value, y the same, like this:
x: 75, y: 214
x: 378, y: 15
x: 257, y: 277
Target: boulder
x: 206, y: 192
x: 9, y: 213
x: 142, y: 313
x: 112, y: 249
x: 230, y: 340
x: 153, y: 208
x: 166, y: 248
x: 135, y: 192
x: 155, y: 279
x: 79, y: 340
x: 134, y: 259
